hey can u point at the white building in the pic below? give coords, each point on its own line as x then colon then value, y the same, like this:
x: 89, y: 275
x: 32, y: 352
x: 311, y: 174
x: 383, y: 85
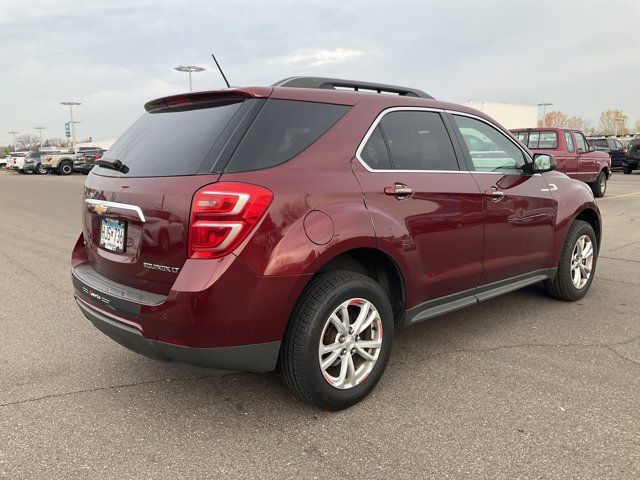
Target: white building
x: 509, y: 115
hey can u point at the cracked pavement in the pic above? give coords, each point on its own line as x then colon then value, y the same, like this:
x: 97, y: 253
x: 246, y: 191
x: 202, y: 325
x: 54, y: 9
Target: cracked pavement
x: 521, y: 386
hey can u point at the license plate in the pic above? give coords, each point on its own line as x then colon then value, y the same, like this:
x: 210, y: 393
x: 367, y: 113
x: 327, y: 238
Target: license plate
x: 113, y: 234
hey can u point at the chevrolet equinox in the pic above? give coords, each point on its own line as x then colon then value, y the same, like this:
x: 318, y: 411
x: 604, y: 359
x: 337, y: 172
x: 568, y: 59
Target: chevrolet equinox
x: 295, y: 227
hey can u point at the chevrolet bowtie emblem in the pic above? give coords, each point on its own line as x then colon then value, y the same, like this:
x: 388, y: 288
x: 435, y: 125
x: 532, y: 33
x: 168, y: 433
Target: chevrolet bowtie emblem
x: 100, y: 209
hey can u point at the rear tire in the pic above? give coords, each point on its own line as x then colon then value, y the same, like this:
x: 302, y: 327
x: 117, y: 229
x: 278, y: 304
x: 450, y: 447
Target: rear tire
x: 563, y: 286
x: 40, y: 170
x: 599, y: 187
x: 626, y: 169
x: 65, y: 168
x: 326, y: 316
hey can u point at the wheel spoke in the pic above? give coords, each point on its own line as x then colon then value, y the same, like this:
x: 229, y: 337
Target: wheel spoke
x: 588, y: 250
x: 369, y: 344
x: 362, y: 315
x: 351, y: 370
x: 338, y: 324
x: 344, y: 365
x: 330, y: 360
x: 364, y: 354
x: 365, y: 324
x: 330, y: 348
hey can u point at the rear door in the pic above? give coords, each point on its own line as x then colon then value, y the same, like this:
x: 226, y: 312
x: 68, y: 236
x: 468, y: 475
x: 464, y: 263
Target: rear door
x: 519, y: 208
x: 426, y: 210
x: 136, y: 220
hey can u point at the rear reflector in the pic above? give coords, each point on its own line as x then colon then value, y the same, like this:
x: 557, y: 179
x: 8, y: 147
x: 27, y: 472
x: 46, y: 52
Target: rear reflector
x: 222, y: 215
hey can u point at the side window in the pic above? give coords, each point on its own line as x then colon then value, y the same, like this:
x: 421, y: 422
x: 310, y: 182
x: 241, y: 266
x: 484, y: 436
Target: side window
x: 581, y: 143
x: 375, y: 153
x: 522, y: 137
x: 490, y: 149
x: 569, y: 140
x: 617, y: 145
x: 418, y: 140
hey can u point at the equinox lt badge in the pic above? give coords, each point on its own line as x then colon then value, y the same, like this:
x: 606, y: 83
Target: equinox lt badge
x: 162, y: 268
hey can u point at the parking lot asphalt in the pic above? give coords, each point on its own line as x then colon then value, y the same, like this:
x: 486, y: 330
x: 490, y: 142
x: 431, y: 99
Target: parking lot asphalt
x: 521, y: 386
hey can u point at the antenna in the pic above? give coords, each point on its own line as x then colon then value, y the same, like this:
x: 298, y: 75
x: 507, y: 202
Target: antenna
x: 221, y: 72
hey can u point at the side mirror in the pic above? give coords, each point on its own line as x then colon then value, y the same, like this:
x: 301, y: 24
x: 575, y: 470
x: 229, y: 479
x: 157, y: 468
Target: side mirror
x: 579, y: 151
x: 543, y: 162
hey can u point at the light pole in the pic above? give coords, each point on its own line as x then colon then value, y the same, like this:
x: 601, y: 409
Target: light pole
x: 40, y: 130
x: 72, y: 123
x: 189, y: 69
x: 544, y: 112
x: 14, y: 138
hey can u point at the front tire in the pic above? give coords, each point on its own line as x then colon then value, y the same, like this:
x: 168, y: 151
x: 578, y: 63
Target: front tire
x: 626, y: 169
x: 338, y: 341
x: 577, y: 264
x: 599, y: 187
x: 65, y: 169
x: 40, y: 170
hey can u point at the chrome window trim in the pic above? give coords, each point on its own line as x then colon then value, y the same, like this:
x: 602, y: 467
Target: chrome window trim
x: 377, y: 120
x: 123, y: 206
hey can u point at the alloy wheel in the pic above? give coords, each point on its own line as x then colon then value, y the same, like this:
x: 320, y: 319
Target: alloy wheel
x: 582, y: 261
x: 350, y: 343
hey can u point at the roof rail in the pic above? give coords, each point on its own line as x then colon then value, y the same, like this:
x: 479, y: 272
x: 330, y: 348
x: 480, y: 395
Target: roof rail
x: 338, y: 84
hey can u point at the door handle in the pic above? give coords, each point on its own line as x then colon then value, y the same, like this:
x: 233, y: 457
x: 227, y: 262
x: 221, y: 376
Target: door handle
x: 399, y: 190
x: 494, y: 193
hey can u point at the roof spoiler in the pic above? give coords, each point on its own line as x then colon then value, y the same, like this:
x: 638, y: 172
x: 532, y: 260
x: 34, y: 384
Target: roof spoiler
x: 337, y: 84
x: 192, y: 98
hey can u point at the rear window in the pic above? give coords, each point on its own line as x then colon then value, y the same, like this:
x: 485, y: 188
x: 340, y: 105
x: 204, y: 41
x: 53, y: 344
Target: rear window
x: 599, y: 142
x: 542, y: 140
x: 282, y: 130
x: 170, y: 142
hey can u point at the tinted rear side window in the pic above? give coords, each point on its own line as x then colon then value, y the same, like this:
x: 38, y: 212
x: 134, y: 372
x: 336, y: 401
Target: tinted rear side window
x: 375, y: 153
x: 282, y: 130
x: 418, y: 141
x: 170, y: 142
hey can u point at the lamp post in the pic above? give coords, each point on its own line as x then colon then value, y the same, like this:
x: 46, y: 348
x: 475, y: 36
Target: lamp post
x: 14, y: 138
x: 72, y: 123
x: 544, y: 112
x: 189, y: 69
x: 40, y: 131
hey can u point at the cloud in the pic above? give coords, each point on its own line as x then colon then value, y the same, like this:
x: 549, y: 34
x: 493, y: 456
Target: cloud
x: 316, y: 57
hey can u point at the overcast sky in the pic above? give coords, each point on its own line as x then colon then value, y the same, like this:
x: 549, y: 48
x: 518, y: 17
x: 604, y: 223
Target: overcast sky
x: 113, y: 56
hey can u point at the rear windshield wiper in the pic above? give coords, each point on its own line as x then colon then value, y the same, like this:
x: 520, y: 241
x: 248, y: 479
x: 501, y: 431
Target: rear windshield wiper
x: 114, y: 164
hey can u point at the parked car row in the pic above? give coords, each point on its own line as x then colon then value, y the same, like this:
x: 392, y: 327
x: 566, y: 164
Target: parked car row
x: 53, y: 161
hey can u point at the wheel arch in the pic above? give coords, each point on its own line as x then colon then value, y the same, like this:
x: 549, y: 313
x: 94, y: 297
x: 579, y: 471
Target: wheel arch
x: 590, y: 216
x: 377, y: 265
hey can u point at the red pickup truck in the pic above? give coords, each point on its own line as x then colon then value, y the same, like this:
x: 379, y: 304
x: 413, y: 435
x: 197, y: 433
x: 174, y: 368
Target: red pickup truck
x: 572, y: 152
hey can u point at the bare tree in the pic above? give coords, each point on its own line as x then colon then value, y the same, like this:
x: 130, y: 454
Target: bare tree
x: 55, y: 142
x: 580, y: 123
x: 27, y: 142
x: 613, y: 122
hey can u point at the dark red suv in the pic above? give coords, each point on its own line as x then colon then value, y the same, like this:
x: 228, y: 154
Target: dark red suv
x: 294, y: 227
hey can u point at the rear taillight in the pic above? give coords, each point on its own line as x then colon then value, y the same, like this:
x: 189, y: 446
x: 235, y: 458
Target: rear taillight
x: 625, y: 150
x: 222, y: 215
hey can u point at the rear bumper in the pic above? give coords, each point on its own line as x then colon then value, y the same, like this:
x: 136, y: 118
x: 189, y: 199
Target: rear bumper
x: 246, y: 358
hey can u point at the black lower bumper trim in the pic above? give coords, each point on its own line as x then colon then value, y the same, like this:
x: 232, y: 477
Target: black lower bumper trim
x: 261, y: 357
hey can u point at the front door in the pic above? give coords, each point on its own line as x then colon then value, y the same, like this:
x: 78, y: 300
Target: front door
x: 426, y: 212
x: 519, y: 208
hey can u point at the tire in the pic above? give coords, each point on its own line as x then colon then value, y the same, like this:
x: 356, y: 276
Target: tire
x: 300, y: 357
x: 562, y: 286
x: 65, y: 168
x: 40, y: 170
x: 599, y: 187
x: 626, y: 169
